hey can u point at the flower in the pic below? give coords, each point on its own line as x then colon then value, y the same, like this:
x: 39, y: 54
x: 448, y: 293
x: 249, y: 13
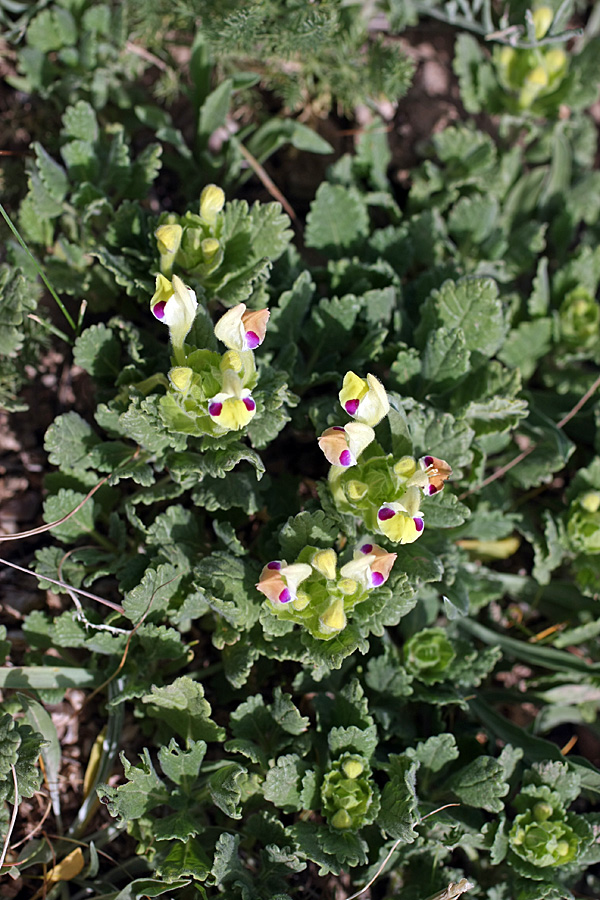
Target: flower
x: 175, y: 304
x: 241, y: 329
x: 437, y: 472
x: 366, y: 401
x: 212, y: 201
x: 402, y: 522
x: 168, y: 240
x: 370, y: 565
x: 232, y: 407
x: 279, y: 582
x: 343, y: 445
x: 348, y: 795
x: 334, y: 618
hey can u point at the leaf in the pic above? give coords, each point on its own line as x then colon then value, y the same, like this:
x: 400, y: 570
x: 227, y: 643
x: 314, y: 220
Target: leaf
x: 398, y: 814
x: 185, y: 859
x: 67, y: 869
x: 313, y: 529
x: 213, y: 112
x: 153, y: 594
x: 98, y: 351
x: 282, y: 785
x: 150, y: 887
x: 435, y: 752
x: 41, y: 723
x: 79, y: 121
x: 285, y: 324
x: 52, y: 175
x: 473, y: 305
x: 19, y: 747
x: 360, y: 740
x: 445, y: 357
x: 182, y: 766
x: 225, y: 790
x: 481, y: 784
x: 182, y: 707
x: 526, y: 344
x: 142, y: 792
x: 79, y: 525
x: 69, y: 440
x: 337, y: 218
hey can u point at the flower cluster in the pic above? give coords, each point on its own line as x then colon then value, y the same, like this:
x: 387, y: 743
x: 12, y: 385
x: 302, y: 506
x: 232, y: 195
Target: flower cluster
x: 532, y: 75
x: 210, y: 393
x: 349, y: 795
x: 383, y: 492
x: 192, y: 241
x: 312, y: 592
x: 544, y: 834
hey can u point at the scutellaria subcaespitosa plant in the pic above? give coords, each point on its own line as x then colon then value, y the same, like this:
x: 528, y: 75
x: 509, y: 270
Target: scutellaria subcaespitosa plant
x: 324, y: 552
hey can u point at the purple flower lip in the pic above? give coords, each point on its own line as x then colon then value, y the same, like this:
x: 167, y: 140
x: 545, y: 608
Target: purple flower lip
x: 366, y: 548
x: 419, y: 523
x: 352, y: 406
x: 376, y: 579
x: 338, y: 428
x: 430, y: 489
x: 345, y: 458
x: 428, y: 461
x: 285, y: 596
x: 249, y: 404
x: 274, y: 565
x: 215, y: 409
x: 159, y: 309
x: 252, y: 340
x: 386, y: 513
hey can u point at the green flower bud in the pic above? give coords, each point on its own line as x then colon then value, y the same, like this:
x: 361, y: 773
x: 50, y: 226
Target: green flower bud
x: 348, y: 795
x: 212, y: 201
x: 579, y: 319
x: 583, y: 523
x: 428, y: 655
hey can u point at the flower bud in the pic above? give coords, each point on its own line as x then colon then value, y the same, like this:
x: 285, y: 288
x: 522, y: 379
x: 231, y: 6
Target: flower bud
x: 212, y: 201
x: 366, y: 401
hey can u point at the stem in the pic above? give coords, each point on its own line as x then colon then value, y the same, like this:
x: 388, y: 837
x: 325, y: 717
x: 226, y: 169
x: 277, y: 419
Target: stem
x: 38, y: 268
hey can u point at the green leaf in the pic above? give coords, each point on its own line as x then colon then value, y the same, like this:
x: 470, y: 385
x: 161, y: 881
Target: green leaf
x: 398, y: 814
x: 98, y: 351
x: 182, y: 766
x: 435, y: 752
x: 337, y: 218
x: 306, y: 529
x: 52, y: 175
x: 182, y: 707
x: 142, y: 792
x: 183, y: 860
x: 213, y: 112
x: 79, y: 121
x: 79, y: 525
x: 225, y: 789
x: 474, y: 305
x: 285, y: 324
x: 153, y: 594
x: 481, y: 784
x: 19, y: 747
x: 41, y: 723
x: 445, y: 357
x: 69, y: 440
x: 282, y: 785
x: 17, y: 299
x: 150, y: 887
x: 526, y: 344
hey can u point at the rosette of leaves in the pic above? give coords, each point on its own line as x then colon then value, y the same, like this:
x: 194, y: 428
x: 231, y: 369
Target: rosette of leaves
x: 348, y: 793
x: 428, y: 655
x: 579, y: 320
x: 543, y: 835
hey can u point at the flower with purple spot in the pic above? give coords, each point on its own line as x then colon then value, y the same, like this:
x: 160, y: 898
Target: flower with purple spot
x: 365, y: 400
x: 279, y: 582
x: 175, y: 304
x: 343, y: 445
x: 370, y: 565
x: 402, y: 522
x: 242, y: 329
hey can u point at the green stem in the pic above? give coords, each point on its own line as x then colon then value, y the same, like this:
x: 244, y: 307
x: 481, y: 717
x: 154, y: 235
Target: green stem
x: 38, y: 268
